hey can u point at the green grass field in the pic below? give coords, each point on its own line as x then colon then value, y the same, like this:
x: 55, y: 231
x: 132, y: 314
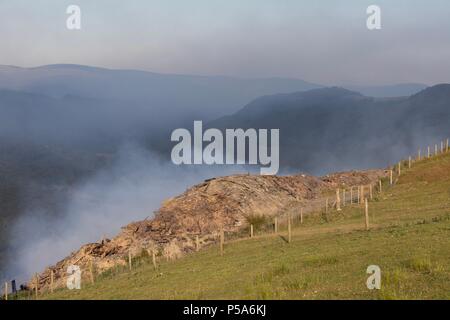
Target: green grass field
x: 409, y: 239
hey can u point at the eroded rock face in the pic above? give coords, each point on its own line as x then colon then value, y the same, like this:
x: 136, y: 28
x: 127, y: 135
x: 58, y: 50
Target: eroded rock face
x: 202, y: 211
x: 227, y: 201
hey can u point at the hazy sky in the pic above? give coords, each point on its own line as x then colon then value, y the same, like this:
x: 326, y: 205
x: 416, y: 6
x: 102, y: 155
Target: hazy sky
x: 319, y: 41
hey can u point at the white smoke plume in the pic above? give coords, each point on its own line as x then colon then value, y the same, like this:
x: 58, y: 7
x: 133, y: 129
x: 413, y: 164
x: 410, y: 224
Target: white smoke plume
x: 132, y: 189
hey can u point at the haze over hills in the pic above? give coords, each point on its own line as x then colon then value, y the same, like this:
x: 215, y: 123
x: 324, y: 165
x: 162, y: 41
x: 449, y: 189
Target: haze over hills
x: 329, y: 129
x: 97, y: 109
x: 180, y: 95
x: 202, y: 97
x: 396, y: 90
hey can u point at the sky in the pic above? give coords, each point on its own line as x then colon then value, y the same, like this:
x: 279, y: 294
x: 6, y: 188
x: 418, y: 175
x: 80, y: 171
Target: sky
x: 325, y: 42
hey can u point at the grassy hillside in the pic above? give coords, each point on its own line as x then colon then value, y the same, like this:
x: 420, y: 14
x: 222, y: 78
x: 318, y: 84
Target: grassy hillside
x: 409, y: 240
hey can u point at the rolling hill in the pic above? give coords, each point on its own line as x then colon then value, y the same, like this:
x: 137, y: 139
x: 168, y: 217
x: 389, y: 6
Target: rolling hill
x: 326, y: 258
x: 182, y: 96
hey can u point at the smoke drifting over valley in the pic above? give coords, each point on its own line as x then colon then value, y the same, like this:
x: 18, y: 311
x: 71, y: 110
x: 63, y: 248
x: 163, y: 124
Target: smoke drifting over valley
x: 129, y: 190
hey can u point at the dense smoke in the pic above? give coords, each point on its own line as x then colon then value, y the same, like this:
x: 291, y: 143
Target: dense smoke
x: 130, y: 190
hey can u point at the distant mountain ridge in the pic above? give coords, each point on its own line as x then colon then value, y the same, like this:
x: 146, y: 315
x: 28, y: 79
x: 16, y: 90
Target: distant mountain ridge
x: 396, y: 90
x: 211, y: 96
x: 182, y: 95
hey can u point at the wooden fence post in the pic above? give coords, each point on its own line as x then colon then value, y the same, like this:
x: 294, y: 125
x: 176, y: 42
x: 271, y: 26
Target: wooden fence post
x: 91, y: 271
x: 358, y: 198
x: 399, y: 168
x: 391, y: 177
x: 447, y: 146
x: 418, y: 155
x: 222, y: 236
x: 52, y: 281
x: 409, y: 162
x: 197, y: 243
x: 289, y: 228
x: 6, y: 290
x: 338, y: 200
x: 361, y: 199
x: 351, y: 195
x: 129, y: 260
x: 275, y: 225
x: 435, y: 150
x: 251, y: 231
x: 366, y: 209
x: 301, y: 215
x: 36, y: 288
x: 429, y: 153
x: 154, y: 259
x: 379, y: 184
